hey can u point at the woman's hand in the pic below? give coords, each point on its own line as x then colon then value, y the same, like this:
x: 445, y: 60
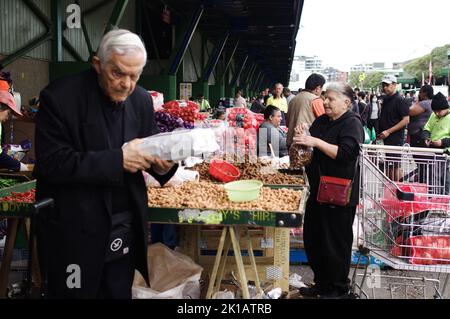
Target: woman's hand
x: 298, y: 131
x: 305, y: 140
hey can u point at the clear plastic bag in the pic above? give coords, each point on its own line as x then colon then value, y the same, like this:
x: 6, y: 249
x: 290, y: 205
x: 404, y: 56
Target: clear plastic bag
x: 299, y: 155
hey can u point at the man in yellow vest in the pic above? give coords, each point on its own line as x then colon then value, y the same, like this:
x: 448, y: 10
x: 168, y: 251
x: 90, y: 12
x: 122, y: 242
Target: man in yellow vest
x: 204, y: 104
x: 279, y: 101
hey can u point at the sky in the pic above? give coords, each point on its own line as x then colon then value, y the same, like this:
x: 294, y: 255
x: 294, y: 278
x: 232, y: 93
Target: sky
x: 348, y: 32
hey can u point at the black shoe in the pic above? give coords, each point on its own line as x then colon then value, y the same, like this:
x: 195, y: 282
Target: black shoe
x: 312, y: 291
x: 335, y: 295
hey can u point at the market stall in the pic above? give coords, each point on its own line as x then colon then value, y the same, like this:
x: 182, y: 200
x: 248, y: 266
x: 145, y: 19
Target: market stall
x: 16, y: 205
x: 212, y: 223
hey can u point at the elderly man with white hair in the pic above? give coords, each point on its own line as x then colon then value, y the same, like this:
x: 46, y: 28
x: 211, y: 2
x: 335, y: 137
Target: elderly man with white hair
x: 87, y: 133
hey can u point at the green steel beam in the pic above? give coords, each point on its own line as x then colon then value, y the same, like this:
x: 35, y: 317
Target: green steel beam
x: 230, y: 59
x: 89, y: 11
x: 183, y: 42
x: 152, y: 37
x: 207, y: 53
x: 215, y: 56
x: 33, y: 43
x: 56, y: 31
x: 25, y: 49
x: 260, y: 83
x: 193, y: 62
x: 38, y: 13
x: 73, y: 52
x: 238, y: 71
x: 95, y: 7
x: 116, y: 14
x: 244, y: 73
x: 254, y: 86
x: 85, y: 33
x: 246, y: 76
x: 139, y: 10
x: 249, y: 78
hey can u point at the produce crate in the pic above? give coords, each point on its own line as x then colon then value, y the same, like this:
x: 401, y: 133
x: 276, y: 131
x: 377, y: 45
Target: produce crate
x: 14, y: 209
x: 231, y: 216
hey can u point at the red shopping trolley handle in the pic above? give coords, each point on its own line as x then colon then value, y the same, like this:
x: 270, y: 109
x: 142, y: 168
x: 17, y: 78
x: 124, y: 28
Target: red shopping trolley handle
x: 406, y: 196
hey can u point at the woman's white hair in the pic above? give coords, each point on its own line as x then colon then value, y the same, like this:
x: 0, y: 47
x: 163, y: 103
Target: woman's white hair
x: 341, y: 88
x: 121, y: 42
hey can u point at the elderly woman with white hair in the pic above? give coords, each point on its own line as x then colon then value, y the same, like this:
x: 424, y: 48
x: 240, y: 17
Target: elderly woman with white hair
x: 87, y: 133
x: 336, y: 137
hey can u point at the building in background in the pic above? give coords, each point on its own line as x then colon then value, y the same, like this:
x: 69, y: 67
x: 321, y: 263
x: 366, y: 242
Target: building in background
x: 334, y: 75
x: 304, y: 66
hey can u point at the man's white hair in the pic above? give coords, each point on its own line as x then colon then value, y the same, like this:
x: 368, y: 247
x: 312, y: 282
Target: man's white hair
x: 121, y: 42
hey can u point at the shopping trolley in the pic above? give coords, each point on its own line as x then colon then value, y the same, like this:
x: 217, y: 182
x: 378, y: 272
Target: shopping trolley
x: 404, y: 221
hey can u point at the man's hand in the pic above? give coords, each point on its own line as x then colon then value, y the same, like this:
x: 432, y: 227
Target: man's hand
x: 436, y: 143
x: 134, y: 159
x: 161, y: 166
x: 384, y: 135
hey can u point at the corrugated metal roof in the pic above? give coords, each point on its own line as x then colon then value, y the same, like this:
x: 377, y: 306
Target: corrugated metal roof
x: 267, y: 29
x: 19, y: 25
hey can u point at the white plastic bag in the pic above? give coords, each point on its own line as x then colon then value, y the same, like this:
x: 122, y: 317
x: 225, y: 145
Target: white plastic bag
x: 223, y: 295
x: 295, y: 280
x: 181, y: 175
x: 180, y: 144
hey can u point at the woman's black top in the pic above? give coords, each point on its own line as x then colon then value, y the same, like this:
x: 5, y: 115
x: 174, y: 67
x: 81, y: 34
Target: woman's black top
x: 347, y: 133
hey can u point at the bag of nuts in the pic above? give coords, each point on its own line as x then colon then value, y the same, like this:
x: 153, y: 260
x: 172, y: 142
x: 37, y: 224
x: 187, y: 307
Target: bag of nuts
x: 299, y: 155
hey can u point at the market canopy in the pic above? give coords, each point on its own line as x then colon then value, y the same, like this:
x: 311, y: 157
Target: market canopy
x: 267, y: 29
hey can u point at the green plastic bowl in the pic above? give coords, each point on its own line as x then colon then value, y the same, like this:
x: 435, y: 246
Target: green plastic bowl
x: 243, y: 191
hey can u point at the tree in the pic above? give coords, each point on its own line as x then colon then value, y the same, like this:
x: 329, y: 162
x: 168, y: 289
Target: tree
x: 371, y: 81
x: 439, y: 59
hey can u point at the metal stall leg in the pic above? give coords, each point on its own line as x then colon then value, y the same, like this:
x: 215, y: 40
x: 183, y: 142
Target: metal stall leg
x: 31, y: 244
x: 11, y: 234
x: 212, y: 279
x: 239, y: 263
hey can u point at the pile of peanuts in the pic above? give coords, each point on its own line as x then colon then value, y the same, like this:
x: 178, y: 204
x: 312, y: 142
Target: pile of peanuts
x: 204, y: 195
x: 250, y: 170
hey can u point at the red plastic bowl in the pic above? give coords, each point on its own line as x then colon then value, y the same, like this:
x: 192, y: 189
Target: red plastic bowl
x: 223, y: 171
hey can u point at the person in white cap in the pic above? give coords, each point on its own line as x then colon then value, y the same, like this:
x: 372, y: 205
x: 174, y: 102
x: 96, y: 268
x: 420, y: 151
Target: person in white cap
x: 394, y: 117
x: 8, y: 105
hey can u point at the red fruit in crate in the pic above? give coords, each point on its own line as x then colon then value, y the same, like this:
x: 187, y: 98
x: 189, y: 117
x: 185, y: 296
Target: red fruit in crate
x: 193, y: 105
x: 438, y: 254
x: 239, y: 132
x: 396, y: 251
x: 427, y: 258
x: 442, y: 243
x: 418, y: 242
